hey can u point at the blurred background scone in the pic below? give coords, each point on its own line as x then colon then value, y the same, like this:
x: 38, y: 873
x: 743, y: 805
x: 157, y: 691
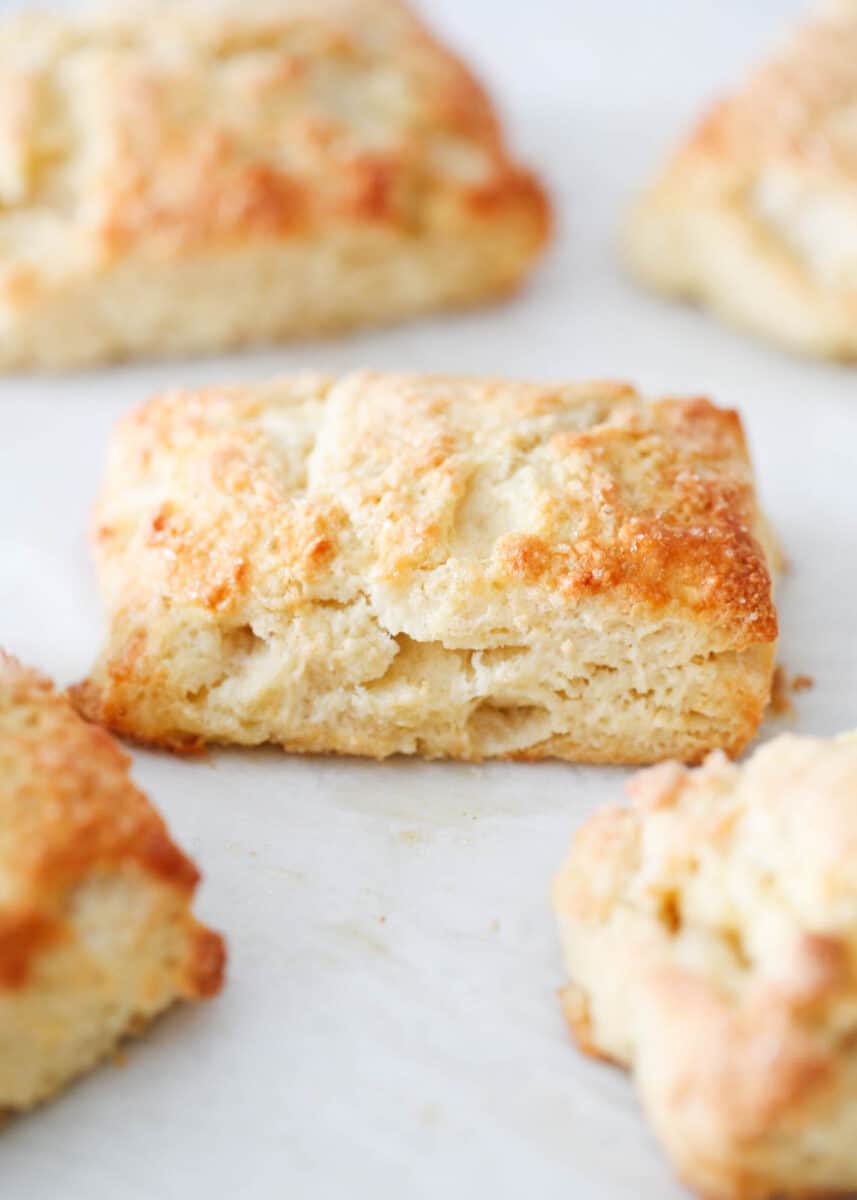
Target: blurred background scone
x: 756, y: 216
x: 178, y: 178
x: 470, y: 568
x: 710, y: 932
x: 96, y: 932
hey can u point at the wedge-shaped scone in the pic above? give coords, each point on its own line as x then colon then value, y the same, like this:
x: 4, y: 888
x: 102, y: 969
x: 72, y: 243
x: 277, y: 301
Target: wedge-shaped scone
x: 710, y: 932
x: 96, y: 933
x: 757, y: 215
x: 186, y: 177
x: 389, y: 564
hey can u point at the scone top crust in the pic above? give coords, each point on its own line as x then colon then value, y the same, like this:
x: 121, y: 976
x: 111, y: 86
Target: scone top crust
x: 461, y: 508
x: 710, y: 929
x: 69, y: 811
x: 796, y: 109
x: 165, y: 130
x: 761, y: 857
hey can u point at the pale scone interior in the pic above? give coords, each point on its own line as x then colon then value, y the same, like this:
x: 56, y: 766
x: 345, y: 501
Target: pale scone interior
x: 96, y: 932
x: 451, y: 567
x: 710, y: 933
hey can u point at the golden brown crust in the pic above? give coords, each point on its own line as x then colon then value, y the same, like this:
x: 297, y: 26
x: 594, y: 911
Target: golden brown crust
x: 756, y: 215
x: 68, y: 811
x: 376, y: 525
x: 709, y: 932
x: 158, y: 136
x: 45, y: 744
x: 22, y: 936
x: 666, y: 514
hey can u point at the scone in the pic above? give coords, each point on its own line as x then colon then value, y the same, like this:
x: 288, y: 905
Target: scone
x: 382, y: 564
x: 96, y: 932
x: 187, y: 177
x: 710, y: 932
x: 756, y: 216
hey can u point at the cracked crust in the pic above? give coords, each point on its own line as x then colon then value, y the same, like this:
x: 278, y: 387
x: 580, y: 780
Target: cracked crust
x: 179, y: 178
x: 709, y: 931
x: 383, y: 564
x: 96, y: 931
x: 756, y: 216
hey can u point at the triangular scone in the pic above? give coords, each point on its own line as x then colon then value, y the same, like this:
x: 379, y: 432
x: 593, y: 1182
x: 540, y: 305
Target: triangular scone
x: 179, y: 177
x: 710, y: 932
x: 96, y: 932
x: 756, y: 216
x: 382, y: 564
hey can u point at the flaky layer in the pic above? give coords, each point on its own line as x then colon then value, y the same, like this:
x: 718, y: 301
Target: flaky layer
x: 756, y: 215
x: 445, y: 566
x: 177, y: 178
x: 710, y: 932
x: 96, y: 932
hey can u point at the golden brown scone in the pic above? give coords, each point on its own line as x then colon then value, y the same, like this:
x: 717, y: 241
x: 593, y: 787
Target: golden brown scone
x: 710, y: 932
x: 756, y: 216
x: 382, y: 564
x: 187, y: 177
x: 96, y: 932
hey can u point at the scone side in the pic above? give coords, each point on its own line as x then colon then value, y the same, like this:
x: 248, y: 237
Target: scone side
x: 145, y: 708
x: 777, y: 300
x: 270, y: 291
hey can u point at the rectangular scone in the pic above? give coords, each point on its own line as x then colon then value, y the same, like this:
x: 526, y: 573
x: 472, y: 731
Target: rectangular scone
x: 756, y: 215
x: 96, y: 931
x: 380, y: 564
x: 709, y: 929
x: 181, y: 177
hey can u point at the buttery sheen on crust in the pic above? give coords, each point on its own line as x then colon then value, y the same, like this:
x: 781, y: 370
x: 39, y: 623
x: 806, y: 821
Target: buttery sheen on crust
x: 756, y: 216
x: 186, y: 177
x: 96, y: 933
x: 384, y: 564
x: 710, y: 931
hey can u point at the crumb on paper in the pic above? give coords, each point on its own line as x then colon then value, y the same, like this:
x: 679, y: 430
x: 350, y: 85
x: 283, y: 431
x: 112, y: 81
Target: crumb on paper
x: 781, y: 704
x: 784, y: 687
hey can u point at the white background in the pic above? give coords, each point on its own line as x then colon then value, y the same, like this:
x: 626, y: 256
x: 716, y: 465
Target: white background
x: 390, y: 1027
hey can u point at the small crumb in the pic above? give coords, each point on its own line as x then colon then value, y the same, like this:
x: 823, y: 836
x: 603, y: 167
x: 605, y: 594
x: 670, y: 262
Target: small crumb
x: 781, y: 704
x: 495, y: 926
x: 382, y: 920
x: 784, y: 688
x: 412, y: 837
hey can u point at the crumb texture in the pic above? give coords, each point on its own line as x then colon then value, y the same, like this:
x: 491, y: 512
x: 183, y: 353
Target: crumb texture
x: 710, y: 933
x: 756, y: 215
x: 185, y: 177
x: 96, y: 933
x: 382, y: 564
